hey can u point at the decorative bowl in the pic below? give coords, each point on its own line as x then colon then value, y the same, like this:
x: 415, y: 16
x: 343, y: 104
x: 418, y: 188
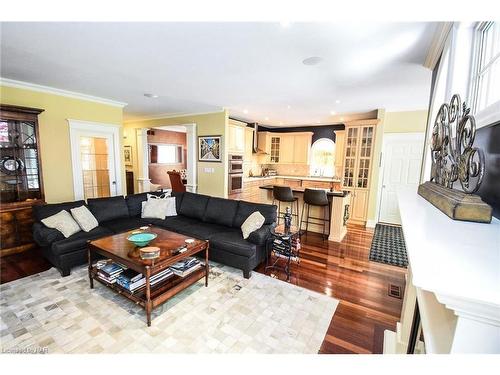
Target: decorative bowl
x: 141, y: 239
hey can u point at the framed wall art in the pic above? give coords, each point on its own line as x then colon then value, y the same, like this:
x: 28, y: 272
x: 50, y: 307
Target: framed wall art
x: 210, y: 148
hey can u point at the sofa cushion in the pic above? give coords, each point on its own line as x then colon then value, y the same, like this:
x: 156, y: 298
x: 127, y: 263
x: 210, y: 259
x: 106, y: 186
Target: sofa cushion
x: 221, y: 211
x: 124, y: 224
x: 233, y: 242
x: 205, y: 231
x: 178, y: 199
x: 84, y: 218
x: 261, y: 235
x: 245, y: 209
x: 41, y: 211
x: 105, y: 209
x: 134, y: 202
x: 78, y: 241
x: 194, y: 205
x: 44, y: 236
x: 177, y: 223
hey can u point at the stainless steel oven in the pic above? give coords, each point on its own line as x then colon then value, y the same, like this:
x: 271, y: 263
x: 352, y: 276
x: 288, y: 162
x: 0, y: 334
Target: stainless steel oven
x: 235, y: 184
x: 235, y: 163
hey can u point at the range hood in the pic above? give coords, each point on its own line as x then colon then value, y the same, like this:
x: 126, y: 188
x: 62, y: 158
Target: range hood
x: 256, y: 149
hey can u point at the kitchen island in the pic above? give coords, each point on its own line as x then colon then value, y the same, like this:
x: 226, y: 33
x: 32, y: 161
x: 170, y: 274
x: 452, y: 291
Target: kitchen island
x: 339, y: 209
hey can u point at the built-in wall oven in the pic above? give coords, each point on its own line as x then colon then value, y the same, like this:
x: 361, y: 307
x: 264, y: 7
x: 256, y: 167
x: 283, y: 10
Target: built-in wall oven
x: 235, y: 165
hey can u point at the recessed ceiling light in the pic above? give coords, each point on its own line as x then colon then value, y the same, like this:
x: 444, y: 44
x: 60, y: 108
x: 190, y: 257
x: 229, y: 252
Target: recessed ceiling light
x: 289, y: 106
x: 148, y: 95
x: 245, y: 111
x: 337, y: 101
x: 285, y: 23
x: 333, y: 113
x: 313, y: 60
x: 341, y: 119
x: 281, y: 123
x: 318, y: 122
x: 266, y: 119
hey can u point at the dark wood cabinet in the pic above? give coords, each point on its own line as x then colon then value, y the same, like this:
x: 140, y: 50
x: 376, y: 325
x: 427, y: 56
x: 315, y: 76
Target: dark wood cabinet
x: 21, y: 184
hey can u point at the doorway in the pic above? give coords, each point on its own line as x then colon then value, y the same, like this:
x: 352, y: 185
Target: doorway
x: 401, y: 163
x: 96, y: 160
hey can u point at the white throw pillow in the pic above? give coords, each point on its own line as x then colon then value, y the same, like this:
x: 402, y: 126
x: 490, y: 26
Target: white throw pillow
x: 252, y: 223
x: 84, y: 218
x: 158, y: 207
x: 63, y: 222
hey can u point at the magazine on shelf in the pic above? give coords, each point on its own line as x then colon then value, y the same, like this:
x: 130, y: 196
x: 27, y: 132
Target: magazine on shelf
x: 186, y: 266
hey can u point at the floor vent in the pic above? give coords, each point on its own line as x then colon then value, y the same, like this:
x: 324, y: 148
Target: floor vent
x: 394, y: 291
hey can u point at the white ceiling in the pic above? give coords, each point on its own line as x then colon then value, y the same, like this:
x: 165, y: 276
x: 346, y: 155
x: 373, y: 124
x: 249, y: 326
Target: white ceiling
x: 204, y: 67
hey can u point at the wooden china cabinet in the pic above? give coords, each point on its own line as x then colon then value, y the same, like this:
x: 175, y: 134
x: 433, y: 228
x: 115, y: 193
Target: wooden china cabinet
x: 21, y: 184
x: 358, y: 160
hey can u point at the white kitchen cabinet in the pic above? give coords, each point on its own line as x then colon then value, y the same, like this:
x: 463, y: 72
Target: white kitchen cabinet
x: 236, y: 137
x: 358, y: 157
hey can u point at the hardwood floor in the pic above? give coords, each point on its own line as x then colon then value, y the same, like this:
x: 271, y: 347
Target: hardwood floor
x: 17, y: 266
x: 343, y: 271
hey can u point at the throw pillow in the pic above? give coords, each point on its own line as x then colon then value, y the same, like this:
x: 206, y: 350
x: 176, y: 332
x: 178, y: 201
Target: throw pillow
x: 63, y: 222
x: 170, y: 209
x: 84, y: 218
x: 252, y: 223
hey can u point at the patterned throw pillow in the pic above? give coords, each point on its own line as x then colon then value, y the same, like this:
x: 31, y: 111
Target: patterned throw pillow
x: 84, y: 218
x: 252, y: 223
x: 63, y: 222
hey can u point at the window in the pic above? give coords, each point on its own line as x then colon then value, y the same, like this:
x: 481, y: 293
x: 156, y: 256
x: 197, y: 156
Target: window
x: 165, y: 154
x: 486, y: 78
x: 323, y: 158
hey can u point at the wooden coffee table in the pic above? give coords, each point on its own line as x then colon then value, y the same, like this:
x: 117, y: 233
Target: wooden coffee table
x: 122, y: 251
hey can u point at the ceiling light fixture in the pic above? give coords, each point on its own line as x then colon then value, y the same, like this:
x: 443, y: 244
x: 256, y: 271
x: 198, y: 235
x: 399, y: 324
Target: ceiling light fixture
x: 266, y: 119
x: 313, y: 60
x: 281, y: 123
x: 318, y: 122
x: 152, y: 96
x: 289, y: 106
x: 245, y: 111
x: 337, y: 101
x: 285, y: 23
x: 333, y: 113
x: 341, y: 119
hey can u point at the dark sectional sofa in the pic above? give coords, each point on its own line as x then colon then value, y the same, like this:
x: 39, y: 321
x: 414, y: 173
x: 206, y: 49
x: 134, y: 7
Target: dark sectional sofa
x: 215, y: 219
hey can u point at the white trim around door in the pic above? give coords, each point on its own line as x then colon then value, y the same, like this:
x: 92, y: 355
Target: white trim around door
x: 112, y: 131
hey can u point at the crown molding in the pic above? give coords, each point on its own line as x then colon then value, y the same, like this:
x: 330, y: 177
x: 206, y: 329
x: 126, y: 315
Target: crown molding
x: 52, y: 90
x: 172, y: 115
x: 437, y: 45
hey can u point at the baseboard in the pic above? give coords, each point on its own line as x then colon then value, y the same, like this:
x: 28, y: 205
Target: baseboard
x: 371, y: 223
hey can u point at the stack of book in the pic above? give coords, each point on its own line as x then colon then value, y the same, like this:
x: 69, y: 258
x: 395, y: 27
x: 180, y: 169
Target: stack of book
x: 131, y: 280
x: 160, y: 276
x: 186, y: 266
x: 110, y: 272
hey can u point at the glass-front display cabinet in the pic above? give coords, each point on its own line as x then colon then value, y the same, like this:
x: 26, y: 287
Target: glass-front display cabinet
x: 21, y: 184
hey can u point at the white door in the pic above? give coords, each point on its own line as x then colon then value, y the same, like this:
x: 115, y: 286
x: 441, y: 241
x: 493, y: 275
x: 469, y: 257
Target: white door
x: 402, y: 156
x: 96, y: 164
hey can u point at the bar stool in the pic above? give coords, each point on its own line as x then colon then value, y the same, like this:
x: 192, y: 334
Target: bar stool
x: 318, y: 198
x: 285, y: 194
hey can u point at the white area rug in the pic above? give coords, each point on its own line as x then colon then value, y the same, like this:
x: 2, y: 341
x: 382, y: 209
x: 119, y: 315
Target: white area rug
x: 48, y: 313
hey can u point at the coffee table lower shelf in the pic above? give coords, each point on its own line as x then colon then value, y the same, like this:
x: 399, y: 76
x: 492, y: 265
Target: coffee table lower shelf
x: 159, y: 293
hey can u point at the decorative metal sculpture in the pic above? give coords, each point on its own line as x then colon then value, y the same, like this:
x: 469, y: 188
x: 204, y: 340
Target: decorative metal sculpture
x: 453, y: 155
x: 287, y: 217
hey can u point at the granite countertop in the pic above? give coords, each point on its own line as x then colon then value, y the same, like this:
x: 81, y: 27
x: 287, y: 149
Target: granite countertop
x: 301, y: 190
x: 306, y: 178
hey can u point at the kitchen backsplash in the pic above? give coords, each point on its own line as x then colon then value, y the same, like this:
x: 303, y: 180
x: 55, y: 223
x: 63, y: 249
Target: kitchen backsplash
x: 282, y: 169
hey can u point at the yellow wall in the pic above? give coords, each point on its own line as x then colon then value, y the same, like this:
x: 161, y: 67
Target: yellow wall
x: 214, y: 184
x: 405, y: 122
x: 54, y: 133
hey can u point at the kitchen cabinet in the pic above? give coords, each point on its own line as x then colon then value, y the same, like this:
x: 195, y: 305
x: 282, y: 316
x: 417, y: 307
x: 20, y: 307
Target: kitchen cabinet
x: 285, y: 148
x: 236, y: 136
x: 358, y: 158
